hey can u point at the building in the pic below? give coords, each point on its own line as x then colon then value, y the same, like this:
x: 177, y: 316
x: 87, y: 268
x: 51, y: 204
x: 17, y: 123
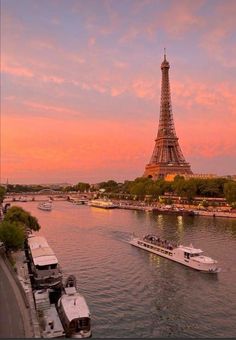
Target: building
x: 167, y: 157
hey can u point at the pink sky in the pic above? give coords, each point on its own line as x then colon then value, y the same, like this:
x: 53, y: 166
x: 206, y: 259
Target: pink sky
x: 81, y: 87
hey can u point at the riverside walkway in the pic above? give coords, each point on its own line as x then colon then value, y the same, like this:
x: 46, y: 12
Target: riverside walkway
x: 14, y: 314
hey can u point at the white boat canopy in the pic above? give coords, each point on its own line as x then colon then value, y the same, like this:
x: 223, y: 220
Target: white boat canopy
x: 75, y: 307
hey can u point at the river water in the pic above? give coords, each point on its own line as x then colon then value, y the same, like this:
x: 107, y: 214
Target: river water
x: 133, y: 293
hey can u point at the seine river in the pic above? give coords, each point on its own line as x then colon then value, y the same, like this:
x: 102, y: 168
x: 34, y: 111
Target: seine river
x: 133, y: 293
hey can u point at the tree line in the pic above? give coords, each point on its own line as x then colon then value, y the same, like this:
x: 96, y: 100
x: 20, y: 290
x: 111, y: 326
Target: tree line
x: 140, y: 187
x: 185, y: 188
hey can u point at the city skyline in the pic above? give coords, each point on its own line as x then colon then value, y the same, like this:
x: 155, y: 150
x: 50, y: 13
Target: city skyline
x: 81, y: 87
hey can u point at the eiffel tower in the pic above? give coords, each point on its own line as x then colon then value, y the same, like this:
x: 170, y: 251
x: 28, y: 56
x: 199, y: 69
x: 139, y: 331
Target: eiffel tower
x: 167, y: 157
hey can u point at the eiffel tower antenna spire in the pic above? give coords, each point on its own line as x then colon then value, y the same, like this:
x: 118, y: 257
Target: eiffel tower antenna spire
x: 167, y: 157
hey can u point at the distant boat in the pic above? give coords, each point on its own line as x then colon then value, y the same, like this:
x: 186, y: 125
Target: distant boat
x: 102, y: 203
x: 23, y: 199
x: 47, y: 206
x: 81, y: 201
x: 189, y: 256
x: 73, y: 311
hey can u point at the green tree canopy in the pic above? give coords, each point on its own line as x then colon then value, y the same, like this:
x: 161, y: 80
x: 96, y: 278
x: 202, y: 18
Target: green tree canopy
x: 2, y: 193
x: 230, y: 192
x: 82, y: 187
x: 17, y: 214
x: 109, y: 186
x: 12, y: 234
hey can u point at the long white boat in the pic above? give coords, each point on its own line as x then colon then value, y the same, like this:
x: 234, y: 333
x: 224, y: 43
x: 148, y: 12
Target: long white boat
x: 43, y: 263
x: 188, y: 256
x: 102, y: 203
x: 74, y: 312
x: 46, y: 206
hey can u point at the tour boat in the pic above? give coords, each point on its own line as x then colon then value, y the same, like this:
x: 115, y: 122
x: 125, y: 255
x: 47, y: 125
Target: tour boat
x: 46, y: 271
x: 73, y: 311
x: 189, y: 256
x: 47, y: 206
x: 102, y: 203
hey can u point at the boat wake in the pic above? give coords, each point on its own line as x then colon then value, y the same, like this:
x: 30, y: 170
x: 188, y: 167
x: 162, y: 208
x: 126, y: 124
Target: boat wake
x: 121, y: 235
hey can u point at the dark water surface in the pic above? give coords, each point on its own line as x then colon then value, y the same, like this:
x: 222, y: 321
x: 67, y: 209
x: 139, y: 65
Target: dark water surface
x: 133, y: 293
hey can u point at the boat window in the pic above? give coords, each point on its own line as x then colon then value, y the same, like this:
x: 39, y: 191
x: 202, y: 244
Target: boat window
x: 53, y: 266
x: 186, y: 255
x: 83, y: 324
x: 42, y: 267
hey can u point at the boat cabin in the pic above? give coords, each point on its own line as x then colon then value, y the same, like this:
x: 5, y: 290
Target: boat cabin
x: 188, y: 252
x: 74, y: 313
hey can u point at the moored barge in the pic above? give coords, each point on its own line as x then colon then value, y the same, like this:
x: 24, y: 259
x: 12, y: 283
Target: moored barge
x: 45, y: 269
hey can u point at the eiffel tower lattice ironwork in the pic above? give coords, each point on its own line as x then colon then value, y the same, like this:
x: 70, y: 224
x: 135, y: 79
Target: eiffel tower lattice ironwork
x: 167, y: 157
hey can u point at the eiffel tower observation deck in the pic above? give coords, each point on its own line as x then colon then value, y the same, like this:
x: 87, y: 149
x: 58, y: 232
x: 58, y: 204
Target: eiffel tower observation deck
x: 167, y: 157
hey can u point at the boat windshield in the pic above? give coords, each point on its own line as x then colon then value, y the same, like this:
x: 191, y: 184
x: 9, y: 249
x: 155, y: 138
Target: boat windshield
x: 81, y: 324
x: 47, y: 267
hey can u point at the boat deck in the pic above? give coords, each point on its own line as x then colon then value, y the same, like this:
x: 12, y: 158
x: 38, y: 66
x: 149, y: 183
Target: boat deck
x: 53, y: 326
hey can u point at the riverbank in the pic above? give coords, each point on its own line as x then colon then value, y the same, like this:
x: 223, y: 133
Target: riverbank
x: 176, y: 210
x: 16, y: 310
x: 24, y: 279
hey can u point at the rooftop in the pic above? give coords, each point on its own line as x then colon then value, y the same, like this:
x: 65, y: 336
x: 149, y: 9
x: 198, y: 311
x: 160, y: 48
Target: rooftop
x: 75, y: 306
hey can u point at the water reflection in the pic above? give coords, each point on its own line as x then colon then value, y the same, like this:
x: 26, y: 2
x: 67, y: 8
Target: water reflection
x: 160, y: 221
x: 154, y: 259
x: 180, y: 224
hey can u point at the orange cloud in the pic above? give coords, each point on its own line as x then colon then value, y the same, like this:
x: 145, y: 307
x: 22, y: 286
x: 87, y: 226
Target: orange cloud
x: 16, y: 70
x: 51, y: 108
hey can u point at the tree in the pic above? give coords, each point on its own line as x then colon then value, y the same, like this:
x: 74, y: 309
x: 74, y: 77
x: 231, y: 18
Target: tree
x: 140, y: 187
x: 68, y: 188
x: 2, y: 193
x: 17, y: 214
x: 185, y: 188
x: 190, y: 190
x: 178, y: 185
x: 230, y: 191
x: 82, y: 187
x: 12, y: 234
x: 109, y: 186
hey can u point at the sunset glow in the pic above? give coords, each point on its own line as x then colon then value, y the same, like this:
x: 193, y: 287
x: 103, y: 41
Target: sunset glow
x: 81, y: 86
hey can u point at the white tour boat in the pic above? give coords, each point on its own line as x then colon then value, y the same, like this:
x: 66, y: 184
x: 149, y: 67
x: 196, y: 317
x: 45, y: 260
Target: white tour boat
x: 102, y: 203
x: 47, y: 206
x: 189, y: 256
x: 74, y: 312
